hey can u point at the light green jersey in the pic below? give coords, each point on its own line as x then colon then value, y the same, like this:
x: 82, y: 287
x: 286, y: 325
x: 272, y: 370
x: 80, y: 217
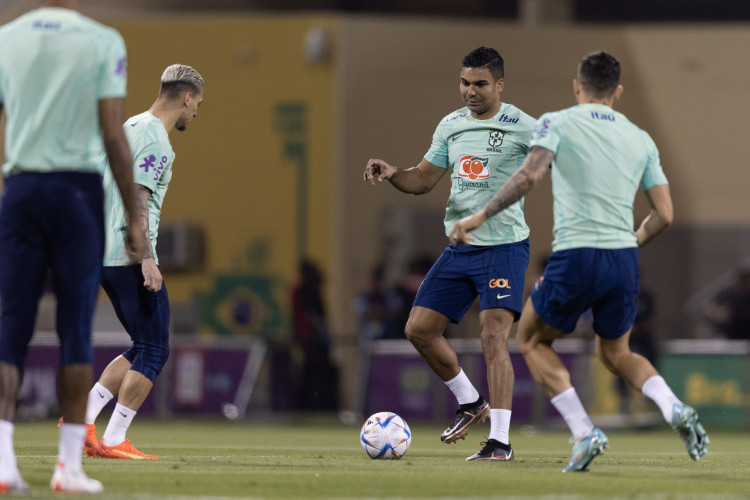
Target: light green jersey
x: 152, y: 168
x: 482, y: 155
x: 601, y: 159
x: 55, y: 66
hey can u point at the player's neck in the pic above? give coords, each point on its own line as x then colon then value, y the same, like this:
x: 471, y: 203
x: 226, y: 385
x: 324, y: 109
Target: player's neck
x: 64, y: 4
x: 584, y: 98
x: 166, y: 113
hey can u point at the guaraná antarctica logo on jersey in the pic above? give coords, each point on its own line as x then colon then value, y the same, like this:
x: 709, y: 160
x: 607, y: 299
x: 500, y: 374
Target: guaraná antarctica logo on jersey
x: 473, y: 167
x: 495, y: 140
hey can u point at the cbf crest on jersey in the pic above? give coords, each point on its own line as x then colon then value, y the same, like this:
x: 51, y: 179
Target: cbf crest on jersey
x: 495, y: 141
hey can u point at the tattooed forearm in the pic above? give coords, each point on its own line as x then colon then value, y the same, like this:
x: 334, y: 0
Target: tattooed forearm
x: 142, y: 195
x: 513, y: 190
x: 522, y: 181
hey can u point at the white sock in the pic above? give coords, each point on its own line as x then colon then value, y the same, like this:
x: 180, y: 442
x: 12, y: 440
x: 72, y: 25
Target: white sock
x: 70, y: 446
x: 570, y: 407
x: 462, y: 388
x: 499, y: 425
x: 8, y: 465
x: 656, y: 389
x: 118, y: 425
x: 99, y: 396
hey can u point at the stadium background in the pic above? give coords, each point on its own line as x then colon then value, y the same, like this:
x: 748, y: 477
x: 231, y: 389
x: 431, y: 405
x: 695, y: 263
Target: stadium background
x: 299, y: 97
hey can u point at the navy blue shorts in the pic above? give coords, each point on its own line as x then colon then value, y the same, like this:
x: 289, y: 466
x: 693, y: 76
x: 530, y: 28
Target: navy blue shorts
x: 50, y: 222
x: 143, y: 314
x: 495, y: 273
x: 604, y: 280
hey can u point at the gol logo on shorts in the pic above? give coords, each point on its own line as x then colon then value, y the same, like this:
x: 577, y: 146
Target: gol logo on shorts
x: 499, y: 283
x: 474, y: 167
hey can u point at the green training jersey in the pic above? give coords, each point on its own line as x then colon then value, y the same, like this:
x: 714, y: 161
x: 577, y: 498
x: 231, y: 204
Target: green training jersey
x: 482, y: 155
x: 601, y: 159
x: 152, y: 168
x: 55, y: 66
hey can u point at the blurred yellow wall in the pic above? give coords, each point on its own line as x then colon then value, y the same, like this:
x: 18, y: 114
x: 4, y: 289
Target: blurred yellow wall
x: 231, y: 173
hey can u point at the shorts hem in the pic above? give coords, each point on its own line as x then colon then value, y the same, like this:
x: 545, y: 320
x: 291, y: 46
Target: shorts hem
x: 540, y: 312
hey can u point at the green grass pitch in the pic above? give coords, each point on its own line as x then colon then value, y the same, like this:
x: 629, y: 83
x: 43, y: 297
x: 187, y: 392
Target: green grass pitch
x: 321, y: 458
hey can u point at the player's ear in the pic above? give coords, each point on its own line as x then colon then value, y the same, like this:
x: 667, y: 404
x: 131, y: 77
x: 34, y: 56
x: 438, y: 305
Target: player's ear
x: 500, y: 84
x: 186, y: 98
x: 576, y: 86
x: 618, y: 91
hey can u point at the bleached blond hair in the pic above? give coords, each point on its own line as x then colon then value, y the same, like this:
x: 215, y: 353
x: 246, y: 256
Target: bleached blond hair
x: 179, y: 78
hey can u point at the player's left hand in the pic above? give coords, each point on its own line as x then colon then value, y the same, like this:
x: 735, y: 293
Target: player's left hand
x: 151, y: 274
x: 461, y: 229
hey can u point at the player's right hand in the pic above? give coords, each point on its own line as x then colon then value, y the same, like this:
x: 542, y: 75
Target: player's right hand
x: 378, y: 170
x: 461, y: 229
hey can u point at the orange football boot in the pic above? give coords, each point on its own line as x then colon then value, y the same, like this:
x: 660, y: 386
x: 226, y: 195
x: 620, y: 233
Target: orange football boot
x: 91, y: 443
x: 124, y: 450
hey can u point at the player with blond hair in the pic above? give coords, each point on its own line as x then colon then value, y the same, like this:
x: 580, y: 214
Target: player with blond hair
x: 138, y: 293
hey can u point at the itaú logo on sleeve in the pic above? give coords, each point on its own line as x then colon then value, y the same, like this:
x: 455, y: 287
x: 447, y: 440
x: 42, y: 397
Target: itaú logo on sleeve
x: 474, y: 167
x: 500, y: 283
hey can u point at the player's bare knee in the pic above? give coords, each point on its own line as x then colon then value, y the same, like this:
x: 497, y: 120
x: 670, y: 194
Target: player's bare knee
x: 493, y: 338
x: 524, y: 345
x: 417, y: 335
x: 413, y: 334
x: 526, y: 341
x: 612, y: 358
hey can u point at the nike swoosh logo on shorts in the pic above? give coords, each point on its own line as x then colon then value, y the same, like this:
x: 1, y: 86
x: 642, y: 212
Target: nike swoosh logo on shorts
x: 502, y: 296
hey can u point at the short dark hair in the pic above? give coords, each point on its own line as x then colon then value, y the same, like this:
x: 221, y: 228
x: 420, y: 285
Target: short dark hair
x: 599, y: 74
x: 485, y: 57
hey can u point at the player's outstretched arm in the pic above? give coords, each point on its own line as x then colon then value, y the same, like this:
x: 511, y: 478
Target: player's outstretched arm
x: 531, y: 172
x: 152, y: 279
x: 661, y: 215
x: 416, y: 180
x: 120, y: 161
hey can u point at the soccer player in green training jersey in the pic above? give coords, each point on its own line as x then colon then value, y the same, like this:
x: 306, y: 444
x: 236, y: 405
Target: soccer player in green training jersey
x: 481, y: 145
x: 62, y: 85
x: 137, y: 292
x: 599, y: 160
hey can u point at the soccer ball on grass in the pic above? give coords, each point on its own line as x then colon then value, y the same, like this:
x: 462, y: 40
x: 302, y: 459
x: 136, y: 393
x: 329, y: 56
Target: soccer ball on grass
x: 385, y: 435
